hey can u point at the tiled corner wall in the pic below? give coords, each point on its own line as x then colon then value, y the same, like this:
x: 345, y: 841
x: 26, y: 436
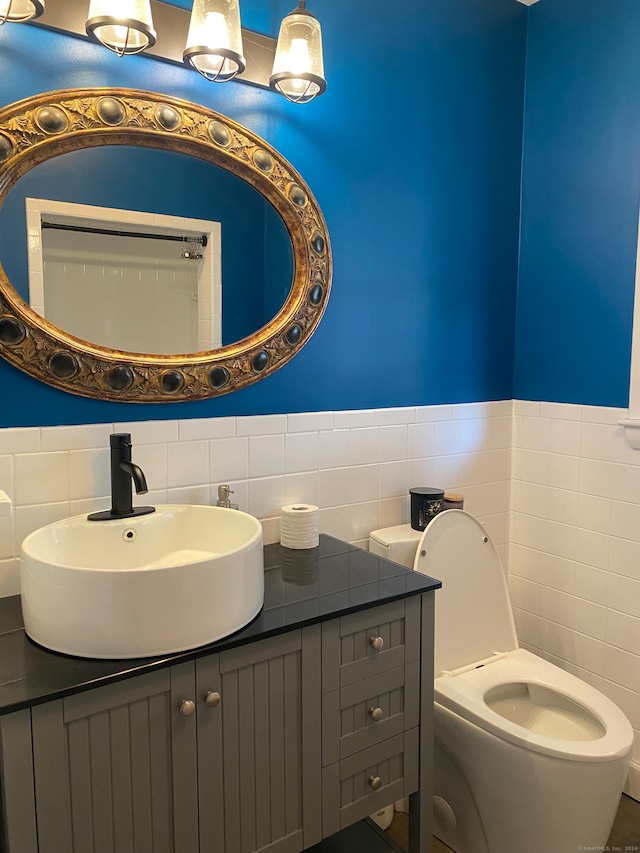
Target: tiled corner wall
x: 357, y: 466
x: 574, y: 561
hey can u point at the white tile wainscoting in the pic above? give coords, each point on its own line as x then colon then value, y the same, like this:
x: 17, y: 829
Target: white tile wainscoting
x: 574, y: 554
x: 357, y: 466
x: 556, y: 485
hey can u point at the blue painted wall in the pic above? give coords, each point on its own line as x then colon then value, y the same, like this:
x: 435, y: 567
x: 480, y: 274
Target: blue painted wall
x: 414, y: 156
x: 581, y: 191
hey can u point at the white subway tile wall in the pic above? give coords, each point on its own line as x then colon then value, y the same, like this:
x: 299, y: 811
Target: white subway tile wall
x: 574, y: 554
x: 357, y: 466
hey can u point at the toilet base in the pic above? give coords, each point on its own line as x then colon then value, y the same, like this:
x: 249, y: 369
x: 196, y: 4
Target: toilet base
x: 504, y: 798
x: 456, y: 819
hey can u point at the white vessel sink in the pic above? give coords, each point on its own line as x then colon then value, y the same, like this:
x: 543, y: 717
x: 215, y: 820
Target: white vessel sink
x: 179, y: 578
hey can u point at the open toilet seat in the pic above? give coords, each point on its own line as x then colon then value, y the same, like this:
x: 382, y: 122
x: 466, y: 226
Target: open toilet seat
x: 571, y: 720
x: 481, y: 674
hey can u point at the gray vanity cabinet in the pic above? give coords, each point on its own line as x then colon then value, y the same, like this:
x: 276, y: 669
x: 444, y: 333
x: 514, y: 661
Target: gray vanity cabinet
x: 221, y: 753
x: 267, y: 747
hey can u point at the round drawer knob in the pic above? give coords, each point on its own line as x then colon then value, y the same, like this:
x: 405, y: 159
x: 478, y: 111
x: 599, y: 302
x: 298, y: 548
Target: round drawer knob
x: 212, y: 699
x: 375, y: 782
x: 187, y: 707
x: 376, y: 714
x: 376, y: 643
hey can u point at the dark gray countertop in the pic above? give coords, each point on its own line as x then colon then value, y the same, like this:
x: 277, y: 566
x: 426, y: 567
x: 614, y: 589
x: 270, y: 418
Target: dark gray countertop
x: 301, y: 588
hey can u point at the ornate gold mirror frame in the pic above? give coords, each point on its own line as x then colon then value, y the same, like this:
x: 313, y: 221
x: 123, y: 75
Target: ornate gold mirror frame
x: 41, y: 127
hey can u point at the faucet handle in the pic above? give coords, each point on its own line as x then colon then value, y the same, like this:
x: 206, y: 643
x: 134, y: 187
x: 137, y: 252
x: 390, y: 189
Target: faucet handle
x: 120, y: 439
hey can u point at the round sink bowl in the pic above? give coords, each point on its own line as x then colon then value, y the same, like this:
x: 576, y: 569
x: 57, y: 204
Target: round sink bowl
x: 179, y: 578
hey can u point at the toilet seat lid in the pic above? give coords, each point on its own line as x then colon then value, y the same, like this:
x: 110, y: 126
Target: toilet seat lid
x: 473, y: 611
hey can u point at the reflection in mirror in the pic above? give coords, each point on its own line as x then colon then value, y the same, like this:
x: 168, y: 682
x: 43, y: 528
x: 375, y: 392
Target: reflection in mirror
x: 98, y: 187
x: 95, y: 271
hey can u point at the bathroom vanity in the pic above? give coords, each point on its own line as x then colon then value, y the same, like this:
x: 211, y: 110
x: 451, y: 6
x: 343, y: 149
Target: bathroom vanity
x: 312, y: 717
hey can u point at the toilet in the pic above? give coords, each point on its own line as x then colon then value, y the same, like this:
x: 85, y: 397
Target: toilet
x: 528, y: 758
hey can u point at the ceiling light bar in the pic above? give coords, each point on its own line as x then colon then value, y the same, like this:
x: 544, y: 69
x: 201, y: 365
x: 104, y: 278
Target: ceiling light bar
x: 171, y: 25
x: 209, y: 39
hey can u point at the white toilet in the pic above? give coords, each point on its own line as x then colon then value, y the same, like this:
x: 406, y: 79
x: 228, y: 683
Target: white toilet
x: 528, y: 758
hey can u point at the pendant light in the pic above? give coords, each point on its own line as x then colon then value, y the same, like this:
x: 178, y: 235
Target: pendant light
x: 124, y: 26
x: 298, y: 70
x: 214, y: 42
x: 18, y: 11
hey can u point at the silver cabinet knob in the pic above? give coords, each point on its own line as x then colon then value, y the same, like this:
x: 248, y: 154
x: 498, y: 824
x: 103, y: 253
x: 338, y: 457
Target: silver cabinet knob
x: 376, y: 714
x: 212, y: 699
x: 376, y: 643
x: 187, y: 707
x: 375, y: 782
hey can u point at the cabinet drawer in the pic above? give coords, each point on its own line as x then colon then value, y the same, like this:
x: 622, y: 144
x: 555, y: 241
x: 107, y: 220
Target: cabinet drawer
x: 365, y: 713
x: 368, y: 780
x: 365, y: 644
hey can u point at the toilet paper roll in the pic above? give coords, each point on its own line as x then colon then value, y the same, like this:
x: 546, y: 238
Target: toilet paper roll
x: 299, y: 526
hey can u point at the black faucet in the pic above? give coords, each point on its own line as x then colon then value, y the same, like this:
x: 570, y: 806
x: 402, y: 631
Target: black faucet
x: 124, y: 472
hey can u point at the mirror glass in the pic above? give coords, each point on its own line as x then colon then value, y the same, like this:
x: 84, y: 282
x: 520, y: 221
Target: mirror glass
x: 159, y: 293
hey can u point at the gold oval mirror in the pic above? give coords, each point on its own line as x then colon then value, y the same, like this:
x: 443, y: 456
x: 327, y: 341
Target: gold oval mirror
x: 54, y: 124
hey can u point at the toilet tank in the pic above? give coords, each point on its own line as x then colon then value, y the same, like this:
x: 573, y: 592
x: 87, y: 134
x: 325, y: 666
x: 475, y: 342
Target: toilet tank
x: 397, y: 543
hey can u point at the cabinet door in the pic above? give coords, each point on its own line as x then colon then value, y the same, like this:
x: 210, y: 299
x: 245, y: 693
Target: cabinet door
x: 259, y: 747
x: 115, y: 768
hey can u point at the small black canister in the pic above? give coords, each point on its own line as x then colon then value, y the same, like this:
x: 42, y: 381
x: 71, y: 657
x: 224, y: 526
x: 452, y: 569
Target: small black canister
x: 425, y: 505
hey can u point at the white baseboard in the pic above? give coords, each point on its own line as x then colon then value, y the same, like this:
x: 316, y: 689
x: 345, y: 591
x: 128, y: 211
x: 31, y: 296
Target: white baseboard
x: 632, y: 786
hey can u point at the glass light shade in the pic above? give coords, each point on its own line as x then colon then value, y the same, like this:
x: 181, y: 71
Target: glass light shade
x: 214, y: 42
x: 17, y: 11
x: 298, y: 69
x: 124, y: 26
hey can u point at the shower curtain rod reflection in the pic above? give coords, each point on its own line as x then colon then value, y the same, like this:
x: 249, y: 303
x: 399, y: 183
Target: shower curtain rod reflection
x: 201, y: 241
